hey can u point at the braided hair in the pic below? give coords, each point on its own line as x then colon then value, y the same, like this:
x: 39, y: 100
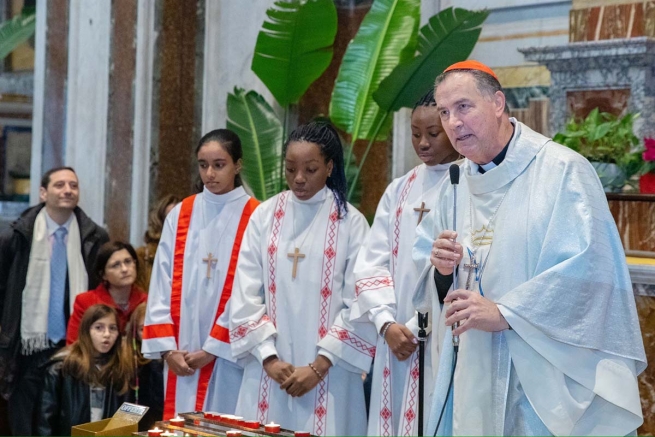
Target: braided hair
x: 426, y: 100
x: 327, y: 139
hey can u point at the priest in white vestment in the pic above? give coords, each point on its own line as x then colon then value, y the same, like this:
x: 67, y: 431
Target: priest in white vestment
x: 386, y: 276
x: 193, y: 272
x: 549, y: 336
x: 293, y: 292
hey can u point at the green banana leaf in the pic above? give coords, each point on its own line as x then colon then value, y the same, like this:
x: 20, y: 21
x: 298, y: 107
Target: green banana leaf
x: 294, y: 47
x: 386, y: 38
x: 16, y: 31
x: 260, y: 131
x: 448, y: 37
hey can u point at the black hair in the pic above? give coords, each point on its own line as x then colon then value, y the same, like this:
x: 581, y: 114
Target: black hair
x: 487, y: 84
x: 426, y: 100
x: 325, y: 136
x: 230, y: 141
x: 107, y: 250
x: 45, y: 179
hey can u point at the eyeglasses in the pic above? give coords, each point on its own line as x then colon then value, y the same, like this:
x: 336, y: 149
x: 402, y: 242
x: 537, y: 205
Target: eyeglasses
x: 129, y: 262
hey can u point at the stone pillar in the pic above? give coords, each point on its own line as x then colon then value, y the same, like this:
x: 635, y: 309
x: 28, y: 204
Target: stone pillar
x: 50, y: 73
x: 176, y: 127
x: 120, y: 120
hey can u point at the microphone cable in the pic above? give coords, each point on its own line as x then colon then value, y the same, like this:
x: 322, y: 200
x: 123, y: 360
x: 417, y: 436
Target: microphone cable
x: 454, y: 180
x: 450, y: 386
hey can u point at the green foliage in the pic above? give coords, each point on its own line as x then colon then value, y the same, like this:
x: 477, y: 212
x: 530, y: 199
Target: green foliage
x: 448, y: 37
x: 16, y: 31
x: 260, y: 132
x: 386, y: 38
x: 603, y: 137
x: 294, y: 47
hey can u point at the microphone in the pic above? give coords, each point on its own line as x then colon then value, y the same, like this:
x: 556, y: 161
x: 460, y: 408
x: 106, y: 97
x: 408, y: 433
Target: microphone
x: 454, y: 179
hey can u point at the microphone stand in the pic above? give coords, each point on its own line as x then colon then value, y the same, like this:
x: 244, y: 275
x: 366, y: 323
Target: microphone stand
x: 422, y: 338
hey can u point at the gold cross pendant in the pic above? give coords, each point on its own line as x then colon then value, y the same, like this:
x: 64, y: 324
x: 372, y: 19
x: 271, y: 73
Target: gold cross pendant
x: 295, y: 255
x: 421, y: 210
x: 210, y: 260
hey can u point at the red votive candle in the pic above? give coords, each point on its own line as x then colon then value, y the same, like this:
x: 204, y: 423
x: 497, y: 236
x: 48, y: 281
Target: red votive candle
x: 272, y: 427
x: 252, y: 424
x: 238, y: 420
x: 301, y: 434
x: 233, y: 433
x: 177, y: 421
x: 155, y: 432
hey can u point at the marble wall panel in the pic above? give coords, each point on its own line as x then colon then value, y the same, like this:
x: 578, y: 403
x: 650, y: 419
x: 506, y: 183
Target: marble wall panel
x: 609, y: 22
x: 580, y: 103
x: 635, y: 220
x: 646, y: 311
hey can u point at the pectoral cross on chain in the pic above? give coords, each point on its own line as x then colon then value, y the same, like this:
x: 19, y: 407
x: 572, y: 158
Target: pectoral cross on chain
x: 421, y: 210
x: 472, y: 266
x: 295, y: 255
x: 210, y: 260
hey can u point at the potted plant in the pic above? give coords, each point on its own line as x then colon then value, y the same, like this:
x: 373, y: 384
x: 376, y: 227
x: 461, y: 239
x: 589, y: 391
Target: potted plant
x: 609, y: 143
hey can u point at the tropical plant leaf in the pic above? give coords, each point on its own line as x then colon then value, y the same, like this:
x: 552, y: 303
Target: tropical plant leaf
x: 386, y: 38
x: 16, y: 31
x: 294, y: 47
x: 448, y: 37
x: 260, y: 131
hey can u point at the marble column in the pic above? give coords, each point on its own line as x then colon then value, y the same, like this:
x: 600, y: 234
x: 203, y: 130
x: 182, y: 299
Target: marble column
x: 86, y: 100
x: 120, y: 119
x: 50, y: 74
x: 177, y: 130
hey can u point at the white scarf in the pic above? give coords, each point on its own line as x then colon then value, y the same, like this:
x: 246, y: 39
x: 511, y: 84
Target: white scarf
x: 36, y: 295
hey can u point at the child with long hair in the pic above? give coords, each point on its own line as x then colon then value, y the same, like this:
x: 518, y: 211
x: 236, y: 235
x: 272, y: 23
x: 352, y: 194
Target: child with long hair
x: 88, y: 380
x: 147, y: 386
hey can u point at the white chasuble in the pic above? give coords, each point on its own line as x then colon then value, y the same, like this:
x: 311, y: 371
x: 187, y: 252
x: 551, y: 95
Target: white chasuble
x: 190, y: 287
x: 273, y: 313
x: 547, y: 252
x: 385, y: 278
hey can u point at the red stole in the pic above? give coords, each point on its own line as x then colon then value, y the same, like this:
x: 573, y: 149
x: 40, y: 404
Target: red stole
x: 217, y: 332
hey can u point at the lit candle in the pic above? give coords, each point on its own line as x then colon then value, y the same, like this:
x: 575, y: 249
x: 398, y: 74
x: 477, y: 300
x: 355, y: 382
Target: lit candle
x: 301, y: 433
x: 177, y: 421
x: 233, y: 433
x: 227, y: 418
x: 272, y: 427
x: 155, y: 432
x: 252, y: 424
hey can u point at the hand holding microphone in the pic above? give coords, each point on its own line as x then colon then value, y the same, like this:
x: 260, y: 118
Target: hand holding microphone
x: 446, y: 252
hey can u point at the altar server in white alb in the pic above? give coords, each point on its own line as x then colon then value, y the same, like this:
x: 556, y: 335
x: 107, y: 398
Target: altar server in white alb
x: 293, y: 292
x: 192, y: 277
x: 385, y: 278
x: 549, y: 336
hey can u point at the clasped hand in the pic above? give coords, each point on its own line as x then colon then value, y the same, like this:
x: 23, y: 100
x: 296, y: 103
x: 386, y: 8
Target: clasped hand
x: 184, y: 363
x: 401, y: 341
x: 296, y: 381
